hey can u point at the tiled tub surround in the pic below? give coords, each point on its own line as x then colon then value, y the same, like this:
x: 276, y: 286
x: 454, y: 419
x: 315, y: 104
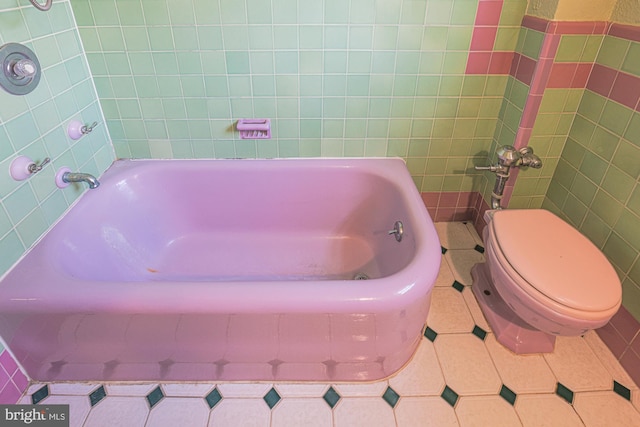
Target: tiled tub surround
x: 365, y: 78
x: 460, y: 376
x: 35, y: 125
x: 251, y: 279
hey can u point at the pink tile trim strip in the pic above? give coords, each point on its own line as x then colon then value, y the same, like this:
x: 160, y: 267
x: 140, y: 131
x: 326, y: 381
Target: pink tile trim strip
x: 625, y: 324
x: 478, y: 63
x: 550, y: 46
x: 12, y: 381
x: 629, y: 32
x: 522, y: 137
x: 626, y: 90
x: 622, y: 336
x: 630, y: 361
x: 578, y: 27
x: 535, y: 23
x: 522, y: 68
x: 528, y: 117
x: 562, y: 74
x: 541, y: 76
x: 582, y: 75
x: 611, y: 337
x: 538, y: 75
x: 482, y: 59
x: 500, y: 62
x: 489, y: 62
x: 7, y: 362
x: 564, y: 27
x: 483, y: 38
x: 451, y: 206
x: 489, y: 12
x: 616, y: 85
x: 601, y: 80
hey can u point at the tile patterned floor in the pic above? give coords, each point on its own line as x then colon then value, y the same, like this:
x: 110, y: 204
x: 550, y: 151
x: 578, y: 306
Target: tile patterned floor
x: 460, y: 376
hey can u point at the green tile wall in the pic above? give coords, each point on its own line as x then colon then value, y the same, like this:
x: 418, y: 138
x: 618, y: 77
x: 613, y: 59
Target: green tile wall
x: 555, y: 116
x: 356, y: 78
x: 550, y: 132
x: 34, y: 125
x: 531, y: 184
x: 596, y: 184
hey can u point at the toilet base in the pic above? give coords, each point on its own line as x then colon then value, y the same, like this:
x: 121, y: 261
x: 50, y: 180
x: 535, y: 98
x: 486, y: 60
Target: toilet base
x: 508, y: 328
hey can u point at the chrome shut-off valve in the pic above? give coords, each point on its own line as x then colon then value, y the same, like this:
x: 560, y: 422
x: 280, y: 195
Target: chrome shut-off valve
x: 527, y: 158
x: 509, y: 157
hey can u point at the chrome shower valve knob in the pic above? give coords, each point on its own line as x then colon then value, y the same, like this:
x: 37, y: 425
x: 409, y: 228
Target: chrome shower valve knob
x: 21, y: 71
x: 24, y: 68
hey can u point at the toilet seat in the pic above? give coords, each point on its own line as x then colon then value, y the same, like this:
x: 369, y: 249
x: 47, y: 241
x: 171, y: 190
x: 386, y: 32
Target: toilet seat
x: 554, y: 264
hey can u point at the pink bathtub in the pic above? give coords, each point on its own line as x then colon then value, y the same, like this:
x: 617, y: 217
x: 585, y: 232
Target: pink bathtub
x: 201, y: 270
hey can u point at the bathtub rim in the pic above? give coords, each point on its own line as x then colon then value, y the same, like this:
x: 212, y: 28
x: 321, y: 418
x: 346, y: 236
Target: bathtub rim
x: 416, y: 285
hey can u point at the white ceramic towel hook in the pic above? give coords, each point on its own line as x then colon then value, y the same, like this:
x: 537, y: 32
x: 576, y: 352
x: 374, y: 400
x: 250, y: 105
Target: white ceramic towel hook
x: 77, y: 129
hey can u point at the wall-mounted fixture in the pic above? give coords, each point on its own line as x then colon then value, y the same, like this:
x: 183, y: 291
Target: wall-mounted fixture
x: 509, y: 157
x: 254, y: 128
x: 77, y: 130
x: 64, y: 177
x: 22, y: 167
x: 43, y: 7
x: 20, y: 69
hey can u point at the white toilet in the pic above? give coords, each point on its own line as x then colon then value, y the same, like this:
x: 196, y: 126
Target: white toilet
x: 542, y: 278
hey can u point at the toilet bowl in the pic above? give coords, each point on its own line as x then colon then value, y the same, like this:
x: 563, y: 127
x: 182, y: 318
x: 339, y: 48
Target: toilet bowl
x: 541, y: 279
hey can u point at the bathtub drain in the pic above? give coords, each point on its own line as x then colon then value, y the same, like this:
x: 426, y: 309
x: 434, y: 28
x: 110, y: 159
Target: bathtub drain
x: 360, y: 276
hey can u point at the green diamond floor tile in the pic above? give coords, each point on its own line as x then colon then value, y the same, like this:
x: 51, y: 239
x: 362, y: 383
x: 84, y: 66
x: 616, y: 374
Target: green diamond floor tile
x: 97, y: 395
x: 272, y: 398
x: 331, y: 397
x: 155, y: 396
x: 391, y: 397
x: 213, y: 398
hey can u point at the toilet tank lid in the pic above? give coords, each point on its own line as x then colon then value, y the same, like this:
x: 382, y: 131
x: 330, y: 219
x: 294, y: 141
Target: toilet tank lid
x: 556, y: 259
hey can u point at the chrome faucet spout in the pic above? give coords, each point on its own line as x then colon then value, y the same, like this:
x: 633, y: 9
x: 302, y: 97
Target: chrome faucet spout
x: 81, y: 177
